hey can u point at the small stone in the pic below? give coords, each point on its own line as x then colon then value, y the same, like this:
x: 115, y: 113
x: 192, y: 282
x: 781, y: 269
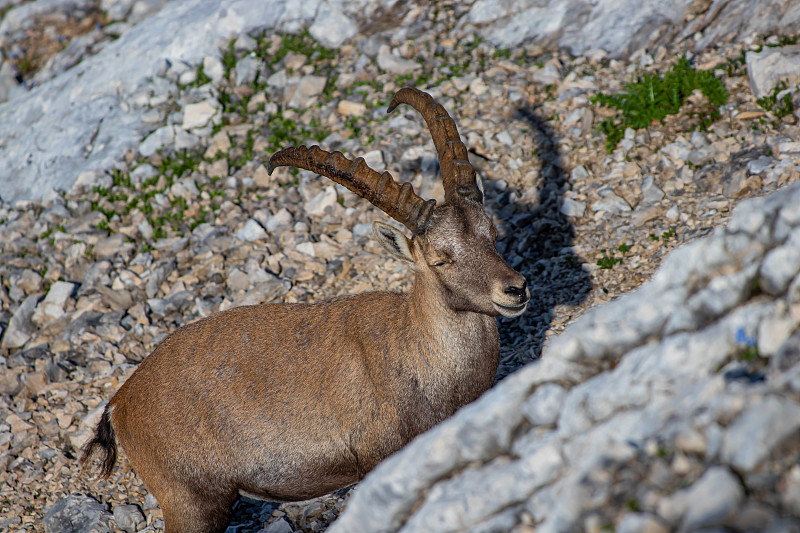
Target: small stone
x: 29, y: 282
x: 612, y: 203
x: 331, y: 28
x: 52, y: 306
x: 278, y: 526
x: 478, y: 86
x: 505, y: 138
x: 160, y: 138
x: 21, y: 327
x: 757, y: 166
x: 108, y: 248
x: 283, y: 218
x: 691, y: 441
x: 651, y: 193
x: 642, y: 216
x: 708, y: 502
x: 579, y: 173
x: 64, y: 420
x: 789, y: 147
x: 317, y: 205
x: 185, y: 140
x: 362, y: 230
x: 10, y: 383
x: 294, y: 61
x: 220, y: 144
x: 187, y: 77
x: 306, y: 248
x: 374, y: 159
x: 770, y: 66
x: 757, y: 431
x: 128, y: 517
x: 17, y: 424
x: 261, y: 177
x: 397, y: 65
x: 307, y: 91
x: 214, y: 69
x: 678, y: 152
x: 265, y: 292
x: 641, y: 523
x: 116, y: 299
x: 790, y: 489
x: 237, y: 280
x: 198, y: 115
x: 348, y: 108
x: 247, y: 70
x: 572, y: 208
x: 547, y: 75
x: 150, y: 502
x: 76, y: 512
x: 278, y: 79
x: 218, y: 169
x: 252, y: 231
x: 773, y: 332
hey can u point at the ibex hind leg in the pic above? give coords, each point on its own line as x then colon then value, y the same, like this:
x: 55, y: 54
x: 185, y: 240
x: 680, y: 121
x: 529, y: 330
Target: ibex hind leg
x: 187, y: 511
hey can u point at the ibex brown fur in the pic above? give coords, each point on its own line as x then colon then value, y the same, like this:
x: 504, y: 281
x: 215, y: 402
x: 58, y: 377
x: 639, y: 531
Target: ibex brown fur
x: 288, y: 402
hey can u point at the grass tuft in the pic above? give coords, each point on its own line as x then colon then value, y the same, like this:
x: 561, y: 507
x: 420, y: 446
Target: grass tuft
x: 652, y: 97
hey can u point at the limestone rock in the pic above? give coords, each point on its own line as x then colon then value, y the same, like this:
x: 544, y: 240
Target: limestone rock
x: 767, y: 68
x: 21, y: 326
x: 77, y: 513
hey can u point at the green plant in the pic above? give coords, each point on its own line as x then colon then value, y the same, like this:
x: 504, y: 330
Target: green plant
x: 633, y: 505
x: 299, y: 43
x: 608, y: 261
x: 201, y: 78
x: 779, y: 107
x: 651, y: 97
x: 734, y: 67
x: 229, y: 59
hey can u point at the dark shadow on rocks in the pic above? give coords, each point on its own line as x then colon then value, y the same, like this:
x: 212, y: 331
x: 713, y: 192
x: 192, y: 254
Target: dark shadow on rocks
x: 537, y: 239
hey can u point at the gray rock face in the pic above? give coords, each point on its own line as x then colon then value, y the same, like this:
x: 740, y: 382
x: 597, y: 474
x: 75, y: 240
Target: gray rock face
x: 621, y: 27
x: 562, y: 440
x: 65, y: 129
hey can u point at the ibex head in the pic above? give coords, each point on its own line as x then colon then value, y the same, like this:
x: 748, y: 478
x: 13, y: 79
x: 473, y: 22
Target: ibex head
x: 452, y: 247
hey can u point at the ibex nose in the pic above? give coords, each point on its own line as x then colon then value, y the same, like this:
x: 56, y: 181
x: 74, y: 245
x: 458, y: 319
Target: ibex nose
x: 516, y: 290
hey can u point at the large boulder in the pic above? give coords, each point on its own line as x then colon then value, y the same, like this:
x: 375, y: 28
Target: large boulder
x: 676, y: 407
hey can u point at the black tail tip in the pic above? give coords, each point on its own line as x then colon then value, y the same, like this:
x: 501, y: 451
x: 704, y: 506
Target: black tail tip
x: 105, y: 439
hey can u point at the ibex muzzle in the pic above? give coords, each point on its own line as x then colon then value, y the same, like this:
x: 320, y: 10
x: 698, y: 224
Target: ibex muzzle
x: 291, y: 401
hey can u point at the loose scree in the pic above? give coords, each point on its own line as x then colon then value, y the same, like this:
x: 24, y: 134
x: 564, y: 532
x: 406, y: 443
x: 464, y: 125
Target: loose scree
x: 287, y: 402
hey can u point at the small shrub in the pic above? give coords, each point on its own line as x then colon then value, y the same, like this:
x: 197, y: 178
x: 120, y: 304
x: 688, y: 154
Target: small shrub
x: 651, y: 97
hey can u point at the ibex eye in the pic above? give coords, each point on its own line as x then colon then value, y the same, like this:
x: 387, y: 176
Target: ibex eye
x: 441, y: 263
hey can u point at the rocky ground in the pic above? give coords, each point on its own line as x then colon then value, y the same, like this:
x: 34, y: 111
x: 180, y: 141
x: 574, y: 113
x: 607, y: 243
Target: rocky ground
x: 93, y: 280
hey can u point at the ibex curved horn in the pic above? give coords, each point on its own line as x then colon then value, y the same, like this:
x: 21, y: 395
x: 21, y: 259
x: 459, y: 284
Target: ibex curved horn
x: 396, y: 200
x: 457, y: 172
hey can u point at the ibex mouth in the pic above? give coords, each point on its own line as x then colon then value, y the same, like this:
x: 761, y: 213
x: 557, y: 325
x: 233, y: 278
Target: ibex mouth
x: 510, y: 311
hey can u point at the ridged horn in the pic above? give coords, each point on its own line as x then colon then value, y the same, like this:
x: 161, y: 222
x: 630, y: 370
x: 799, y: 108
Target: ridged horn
x: 396, y: 200
x: 458, y: 174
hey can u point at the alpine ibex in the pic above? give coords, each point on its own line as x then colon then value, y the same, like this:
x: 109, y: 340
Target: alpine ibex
x: 287, y: 402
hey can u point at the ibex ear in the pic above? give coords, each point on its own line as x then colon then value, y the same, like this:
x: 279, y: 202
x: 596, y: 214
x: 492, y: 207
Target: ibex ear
x: 393, y: 240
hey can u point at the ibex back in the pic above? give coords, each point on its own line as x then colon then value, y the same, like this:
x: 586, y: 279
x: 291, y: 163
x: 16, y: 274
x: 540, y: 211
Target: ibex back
x: 291, y: 401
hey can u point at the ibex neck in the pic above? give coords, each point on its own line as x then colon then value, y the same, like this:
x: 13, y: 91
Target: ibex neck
x: 456, y: 341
